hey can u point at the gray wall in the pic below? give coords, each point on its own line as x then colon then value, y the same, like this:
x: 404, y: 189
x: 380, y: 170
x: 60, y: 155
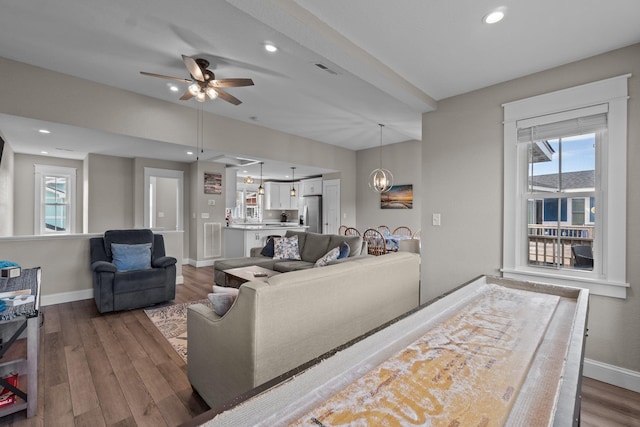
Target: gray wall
x: 404, y: 161
x: 110, y: 193
x: 462, y: 164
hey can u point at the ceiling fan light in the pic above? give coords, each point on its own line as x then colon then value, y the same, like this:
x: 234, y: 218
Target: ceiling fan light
x: 200, y: 97
x: 211, y: 93
x: 194, y: 89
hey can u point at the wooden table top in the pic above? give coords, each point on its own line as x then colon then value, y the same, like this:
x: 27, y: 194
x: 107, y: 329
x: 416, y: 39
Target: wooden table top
x: 251, y: 273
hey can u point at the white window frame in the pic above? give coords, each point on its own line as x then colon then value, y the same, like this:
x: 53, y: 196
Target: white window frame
x: 42, y: 171
x: 610, y: 278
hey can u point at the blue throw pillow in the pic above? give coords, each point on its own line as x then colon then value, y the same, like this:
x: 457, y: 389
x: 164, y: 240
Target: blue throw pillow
x: 345, y: 249
x: 268, y: 249
x: 131, y: 257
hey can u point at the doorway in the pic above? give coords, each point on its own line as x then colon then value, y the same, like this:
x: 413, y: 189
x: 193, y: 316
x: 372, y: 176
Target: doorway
x: 163, y: 199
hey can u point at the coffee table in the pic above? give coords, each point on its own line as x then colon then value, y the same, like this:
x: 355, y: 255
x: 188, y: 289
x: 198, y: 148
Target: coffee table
x: 234, y: 277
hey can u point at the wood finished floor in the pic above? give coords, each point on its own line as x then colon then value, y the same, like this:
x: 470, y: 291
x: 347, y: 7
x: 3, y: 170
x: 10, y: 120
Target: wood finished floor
x: 118, y: 370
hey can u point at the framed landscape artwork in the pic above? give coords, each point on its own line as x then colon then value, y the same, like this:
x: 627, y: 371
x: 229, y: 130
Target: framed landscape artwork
x: 399, y: 197
x: 212, y: 183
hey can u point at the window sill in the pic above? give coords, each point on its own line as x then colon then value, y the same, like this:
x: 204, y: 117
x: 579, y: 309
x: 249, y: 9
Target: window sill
x: 600, y: 287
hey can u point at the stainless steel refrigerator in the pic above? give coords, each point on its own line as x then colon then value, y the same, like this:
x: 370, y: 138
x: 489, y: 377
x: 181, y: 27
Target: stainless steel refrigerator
x: 312, y: 213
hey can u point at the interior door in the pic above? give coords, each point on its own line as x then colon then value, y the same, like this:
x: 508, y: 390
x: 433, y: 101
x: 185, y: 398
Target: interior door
x: 331, y: 206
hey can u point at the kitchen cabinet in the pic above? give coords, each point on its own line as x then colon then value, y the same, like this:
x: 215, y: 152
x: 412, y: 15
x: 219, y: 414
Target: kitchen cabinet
x: 311, y: 187
x: 277, y: 196
x: 238, y: 240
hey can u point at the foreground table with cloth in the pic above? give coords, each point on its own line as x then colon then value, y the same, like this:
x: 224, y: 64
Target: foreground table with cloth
x: 493, y: 352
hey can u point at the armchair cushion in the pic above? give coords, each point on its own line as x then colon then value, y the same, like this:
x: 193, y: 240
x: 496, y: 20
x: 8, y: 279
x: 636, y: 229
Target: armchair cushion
x: 131, y: 257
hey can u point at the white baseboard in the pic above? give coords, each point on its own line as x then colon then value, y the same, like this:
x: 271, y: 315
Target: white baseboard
x: 205, y: 263
x: 611, y: 374
x: 63, y: 297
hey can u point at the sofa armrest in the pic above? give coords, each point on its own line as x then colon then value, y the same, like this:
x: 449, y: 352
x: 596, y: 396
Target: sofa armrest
x: 217, y: 372
x: 103, y: 267
x: 163, y: 262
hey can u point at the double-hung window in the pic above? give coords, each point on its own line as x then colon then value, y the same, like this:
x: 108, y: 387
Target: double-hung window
x: 565, y: 187
x: 55, y: 189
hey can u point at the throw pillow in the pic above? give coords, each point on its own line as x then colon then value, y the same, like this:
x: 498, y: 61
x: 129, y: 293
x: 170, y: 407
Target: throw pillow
x: 222, y: 299
x: 268, y: 249
x: 332, y: 255
x: 345, y: 250
x: 225, y: 290
x: 286, y: 248
x: 131, y: 257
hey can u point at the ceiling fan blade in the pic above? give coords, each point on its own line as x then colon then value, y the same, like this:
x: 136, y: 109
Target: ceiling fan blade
x: 193, y: 68
x: 185, y: 96
x: 178, y: 79
x: 227, y: 96
x: 231, y: 82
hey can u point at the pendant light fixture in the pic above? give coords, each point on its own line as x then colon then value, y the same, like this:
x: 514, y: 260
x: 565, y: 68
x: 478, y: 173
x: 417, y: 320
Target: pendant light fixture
x: 292, y: 192
x: 380, y: 180
x: 261, y: 188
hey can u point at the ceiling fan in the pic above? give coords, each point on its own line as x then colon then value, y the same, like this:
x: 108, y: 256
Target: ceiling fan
x: 204, y: 83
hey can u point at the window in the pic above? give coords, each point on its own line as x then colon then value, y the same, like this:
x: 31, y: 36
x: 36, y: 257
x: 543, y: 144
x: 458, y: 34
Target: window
x: 561, y: 185
x: 54, y: 200
x: 565, y: 187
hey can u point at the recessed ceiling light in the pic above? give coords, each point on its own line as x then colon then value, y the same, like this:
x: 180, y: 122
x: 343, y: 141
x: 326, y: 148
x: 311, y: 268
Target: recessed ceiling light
x: 270, y: 47
x: 190, y: 153
x: 44, y: 131
x: 44, y: 152
x: 494, y: 16
x: 173, y: 88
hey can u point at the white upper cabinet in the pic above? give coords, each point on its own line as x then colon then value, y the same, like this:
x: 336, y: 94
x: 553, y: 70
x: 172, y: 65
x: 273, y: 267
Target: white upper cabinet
x: 311, y: 187
x: 277, y: 195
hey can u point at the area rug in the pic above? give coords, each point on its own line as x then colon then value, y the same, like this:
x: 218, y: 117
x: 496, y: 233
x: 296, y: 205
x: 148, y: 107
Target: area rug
x: 171, y: 321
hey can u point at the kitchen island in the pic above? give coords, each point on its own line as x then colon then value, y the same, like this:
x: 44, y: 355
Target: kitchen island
x: 240, y: 238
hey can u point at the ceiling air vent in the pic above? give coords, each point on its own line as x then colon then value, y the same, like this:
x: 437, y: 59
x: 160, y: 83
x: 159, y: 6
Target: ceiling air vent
x: 325, y: 68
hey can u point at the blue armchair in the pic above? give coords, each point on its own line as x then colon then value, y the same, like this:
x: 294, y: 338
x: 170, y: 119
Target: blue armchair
x: 130, y: 270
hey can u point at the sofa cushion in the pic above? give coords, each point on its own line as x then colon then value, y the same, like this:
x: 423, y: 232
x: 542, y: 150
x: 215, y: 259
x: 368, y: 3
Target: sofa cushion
x: 345, y: 249
x: 354, y: 242
x: 268, y: 249
x: 302, y: 236
x: 286, y: 266
x: 315, y: 246
x: 286, y: 248
x: 332, y: 255
x: 131, y: 257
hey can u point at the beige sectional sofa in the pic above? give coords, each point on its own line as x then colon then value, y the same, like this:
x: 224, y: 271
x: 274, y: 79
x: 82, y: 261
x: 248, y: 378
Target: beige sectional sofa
x: 312, y: 246
x: 277, y: 325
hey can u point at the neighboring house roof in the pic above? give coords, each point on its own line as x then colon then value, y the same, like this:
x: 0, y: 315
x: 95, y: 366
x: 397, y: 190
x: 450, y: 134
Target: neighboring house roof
x: 570, y: 180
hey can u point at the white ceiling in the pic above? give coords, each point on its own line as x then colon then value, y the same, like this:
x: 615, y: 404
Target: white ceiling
x: 392, y: 60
